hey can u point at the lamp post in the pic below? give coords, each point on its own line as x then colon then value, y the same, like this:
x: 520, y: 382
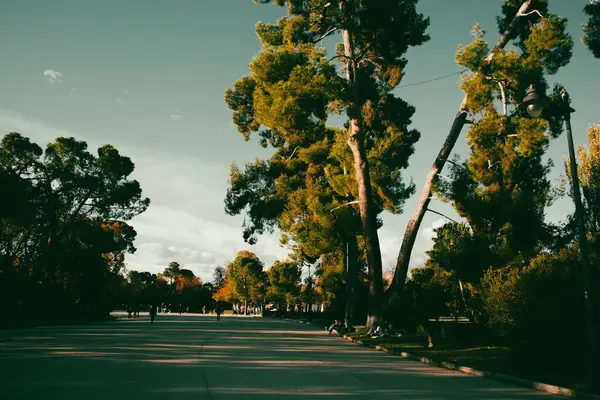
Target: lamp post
x: 535, y: 103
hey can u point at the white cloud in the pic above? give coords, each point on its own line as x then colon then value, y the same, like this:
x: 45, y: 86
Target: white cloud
x: 185, y: 221
x: 200, y: 244
x: 175, y: 115
x: 120, y: 101
x: 429, y: 232
x: 73, y: 90
x: 53, y: 76
x: 126, y: 92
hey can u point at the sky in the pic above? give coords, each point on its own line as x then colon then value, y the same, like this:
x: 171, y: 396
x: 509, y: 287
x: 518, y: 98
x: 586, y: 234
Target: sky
x: 149, y: 77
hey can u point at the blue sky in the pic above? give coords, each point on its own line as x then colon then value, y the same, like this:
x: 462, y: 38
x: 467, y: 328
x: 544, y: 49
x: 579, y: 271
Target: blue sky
x: 149, y: 77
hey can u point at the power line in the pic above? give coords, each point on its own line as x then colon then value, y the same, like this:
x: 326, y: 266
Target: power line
x: 434, y: 79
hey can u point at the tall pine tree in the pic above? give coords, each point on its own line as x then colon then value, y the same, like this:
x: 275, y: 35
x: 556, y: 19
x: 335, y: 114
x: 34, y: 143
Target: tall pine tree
x: 502, y: 188
x: 292, y: 83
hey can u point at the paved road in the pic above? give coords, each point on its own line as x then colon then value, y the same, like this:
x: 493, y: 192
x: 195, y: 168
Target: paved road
x: 196, y: 357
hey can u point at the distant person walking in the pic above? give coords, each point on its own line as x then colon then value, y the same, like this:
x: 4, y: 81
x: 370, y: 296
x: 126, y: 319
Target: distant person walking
x: 218, y: 311
x: 153, y: 310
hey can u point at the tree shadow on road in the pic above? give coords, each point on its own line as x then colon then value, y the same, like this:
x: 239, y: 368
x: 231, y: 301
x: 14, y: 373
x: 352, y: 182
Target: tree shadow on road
x: 198, y: 357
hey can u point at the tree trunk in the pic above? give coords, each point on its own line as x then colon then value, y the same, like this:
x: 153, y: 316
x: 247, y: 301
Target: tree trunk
x: 356, y: 143
x: 462, y: 295
x: 412, y: 228
x: 369, y: 227
x: 350, y: 256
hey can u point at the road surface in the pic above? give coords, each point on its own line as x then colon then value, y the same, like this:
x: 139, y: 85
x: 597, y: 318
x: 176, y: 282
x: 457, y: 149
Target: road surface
x: 196, y: 357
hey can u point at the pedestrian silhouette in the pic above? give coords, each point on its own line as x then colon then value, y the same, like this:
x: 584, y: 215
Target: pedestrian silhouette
x: 153, y: 310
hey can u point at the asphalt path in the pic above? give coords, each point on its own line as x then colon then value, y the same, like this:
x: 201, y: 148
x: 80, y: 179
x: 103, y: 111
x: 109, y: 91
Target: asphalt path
x: 197, y: 357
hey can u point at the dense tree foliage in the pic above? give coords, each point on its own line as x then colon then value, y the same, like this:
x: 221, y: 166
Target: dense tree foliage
x: 502, y: 189
x: 589, y: 177
x: 63, y: 233
x: 591, y: 28
x: 293, y: 89
x: 284, y: 282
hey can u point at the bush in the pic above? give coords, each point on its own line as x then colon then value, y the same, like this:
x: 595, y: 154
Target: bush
x: 540, y: 309
x: 500, y: 298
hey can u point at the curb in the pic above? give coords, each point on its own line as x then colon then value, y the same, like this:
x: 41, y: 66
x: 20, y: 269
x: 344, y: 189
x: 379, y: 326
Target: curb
x: 543, y: 387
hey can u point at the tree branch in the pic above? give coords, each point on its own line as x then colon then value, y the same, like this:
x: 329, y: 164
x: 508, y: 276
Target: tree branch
x: 531, y: 12
x: 443, y: 215
x: 503, y: 97
x: 327, y: 33
x: 292, y: 155
x: 510, y: 30
x: 340, y: 56
x: 343, y: 205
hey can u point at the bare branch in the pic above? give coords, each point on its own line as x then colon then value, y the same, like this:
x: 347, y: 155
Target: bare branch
x: 503, y: 97
x: 329, y: 32
x: 510, y: 30
x: 344, y: 205
x: 531, y: 12
x: 443, y: 215
x: 340, y: 56
x: 292, y: 155
x: 371, y: 61
x: 444, y: 177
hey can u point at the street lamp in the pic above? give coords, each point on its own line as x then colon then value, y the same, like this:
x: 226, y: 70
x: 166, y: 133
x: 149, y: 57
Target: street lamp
x: 535, y: 103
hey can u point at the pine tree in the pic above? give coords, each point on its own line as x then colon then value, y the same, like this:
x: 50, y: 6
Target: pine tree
x: 591, y: 28
x: 288, y: 75
x: 502, y: 189
x: 506, y: 148
x: 589, y: 178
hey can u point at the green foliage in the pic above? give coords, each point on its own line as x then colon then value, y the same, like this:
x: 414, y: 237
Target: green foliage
x: 172, y: 271
x: 591, y: 28
x: 589, y: 176
x: 287, y: 99
x: 540, y: 304
x: 284, y: 280
x: 509, y: 11
x: 457, y: 249
x: 184, y: 292
x: 62, y: 230
x: 501, y: 296
x: 330, y: 277
x: 247, y: 277
x: 430, y: 293
x: 502, y: 189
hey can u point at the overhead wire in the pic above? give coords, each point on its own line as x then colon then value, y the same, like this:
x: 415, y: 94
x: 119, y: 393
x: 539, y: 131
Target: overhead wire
x: 433, y: 80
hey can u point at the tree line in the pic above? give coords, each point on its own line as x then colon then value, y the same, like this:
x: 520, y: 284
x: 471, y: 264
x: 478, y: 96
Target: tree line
x: 63, y: 229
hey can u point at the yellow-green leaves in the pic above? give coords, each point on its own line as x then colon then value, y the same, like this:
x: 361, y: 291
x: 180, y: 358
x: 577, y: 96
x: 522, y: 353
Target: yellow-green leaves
x: 589, y: 175
x: 479, y: 91
x: 473, y: 55
x: 549, y: 46
x: 531, y: 136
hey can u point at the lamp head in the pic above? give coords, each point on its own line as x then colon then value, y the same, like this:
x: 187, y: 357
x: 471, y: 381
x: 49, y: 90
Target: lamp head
x: 534, y: 102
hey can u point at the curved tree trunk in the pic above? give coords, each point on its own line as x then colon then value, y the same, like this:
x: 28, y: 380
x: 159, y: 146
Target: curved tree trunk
x: 412, y: 228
